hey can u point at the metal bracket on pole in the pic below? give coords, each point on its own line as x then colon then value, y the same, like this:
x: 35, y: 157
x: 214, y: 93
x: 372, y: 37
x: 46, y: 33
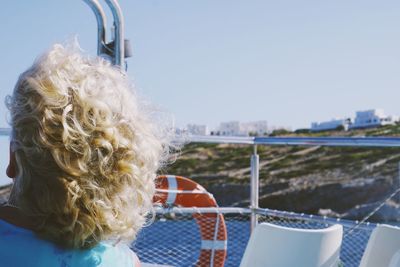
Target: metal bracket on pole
x: 119, y: 40
x: 101, y: 24
x: 254, y: 187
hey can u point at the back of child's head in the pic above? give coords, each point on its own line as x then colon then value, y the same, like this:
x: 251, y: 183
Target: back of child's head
x: 86, y: 150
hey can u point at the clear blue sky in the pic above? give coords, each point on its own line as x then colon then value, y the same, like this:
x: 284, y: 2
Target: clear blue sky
x: 287, y: 62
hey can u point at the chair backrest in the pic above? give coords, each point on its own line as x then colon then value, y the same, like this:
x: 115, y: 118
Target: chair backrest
x: 276, y: 246
x: 395, y: 261
x: 382, y: 246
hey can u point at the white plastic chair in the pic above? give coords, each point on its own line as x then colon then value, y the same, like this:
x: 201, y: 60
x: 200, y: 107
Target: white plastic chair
x: 382, y: 247
x: 395, y: 261
x: 276, y: 246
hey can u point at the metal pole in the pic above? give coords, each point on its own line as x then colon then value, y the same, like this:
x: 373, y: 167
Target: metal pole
x: 398, y: 183
x: 254, y: 187
x: 101, y: 24
x: 119, y: 41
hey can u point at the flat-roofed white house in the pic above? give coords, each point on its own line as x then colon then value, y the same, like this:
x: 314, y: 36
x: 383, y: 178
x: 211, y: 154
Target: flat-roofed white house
x: 259, y: 128
x: 236, y: 128
x: 331, y: 125
x: 372, y: 118
x: 231, y: 128
x: 196, y: 129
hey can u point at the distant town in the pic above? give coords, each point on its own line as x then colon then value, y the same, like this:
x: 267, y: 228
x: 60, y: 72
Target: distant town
x: 363, y: 119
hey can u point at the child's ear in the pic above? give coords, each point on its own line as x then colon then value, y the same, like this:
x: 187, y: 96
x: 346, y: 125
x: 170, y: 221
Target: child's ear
x: 12, y: 165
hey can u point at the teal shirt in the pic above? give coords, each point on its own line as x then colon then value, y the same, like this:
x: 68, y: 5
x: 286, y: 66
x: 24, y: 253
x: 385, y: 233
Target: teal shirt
x: 20, y: 247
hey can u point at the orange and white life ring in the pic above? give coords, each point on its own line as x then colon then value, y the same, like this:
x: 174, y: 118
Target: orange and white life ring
x: 181, y: 191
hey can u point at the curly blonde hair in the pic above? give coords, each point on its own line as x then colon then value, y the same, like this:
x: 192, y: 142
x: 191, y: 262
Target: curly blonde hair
x: 87, y: 153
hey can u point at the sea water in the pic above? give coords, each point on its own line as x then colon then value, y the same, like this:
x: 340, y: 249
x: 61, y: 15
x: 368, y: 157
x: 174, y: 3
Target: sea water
x: 177, y: 243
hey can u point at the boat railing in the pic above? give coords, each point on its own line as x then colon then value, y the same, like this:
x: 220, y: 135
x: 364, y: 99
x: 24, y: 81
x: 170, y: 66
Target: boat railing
x: 267, y: 212
x: 117, y: 48
x: 290, y: 141
x: 101, y: 23
x: 358, y: 141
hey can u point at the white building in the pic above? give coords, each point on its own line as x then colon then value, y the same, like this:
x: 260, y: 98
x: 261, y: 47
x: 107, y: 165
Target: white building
x: 330, y: 125
x: 258, y: 128
x: 196, y: 129
x: 372, y: 118
x: 231, y: 128
x: 236, y: 128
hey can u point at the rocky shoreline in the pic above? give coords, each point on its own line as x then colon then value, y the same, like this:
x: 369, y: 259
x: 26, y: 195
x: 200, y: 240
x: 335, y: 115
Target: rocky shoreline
x: 340, y: 200
x: 4, y: 193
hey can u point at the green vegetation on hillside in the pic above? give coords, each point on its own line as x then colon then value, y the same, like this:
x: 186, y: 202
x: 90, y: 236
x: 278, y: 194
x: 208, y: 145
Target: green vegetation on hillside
x: 347, y: 182
x: 216, y: 163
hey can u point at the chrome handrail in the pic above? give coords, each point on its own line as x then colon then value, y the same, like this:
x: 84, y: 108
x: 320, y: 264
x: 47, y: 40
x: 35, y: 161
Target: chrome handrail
x: 191, y: 210
x: 266, y: 212
x: 330, y: 141
x: 101, y: 24
x: 213, y: 139
x: 119, y: 40
x: 118, y: 51
x: 299, y: 141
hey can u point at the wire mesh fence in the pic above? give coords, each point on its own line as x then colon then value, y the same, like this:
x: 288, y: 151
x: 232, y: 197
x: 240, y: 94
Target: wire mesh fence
x: 355, y: 235
x: 177, y: 239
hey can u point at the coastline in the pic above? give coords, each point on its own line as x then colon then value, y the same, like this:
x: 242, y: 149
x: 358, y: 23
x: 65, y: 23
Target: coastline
x: 5, y: 192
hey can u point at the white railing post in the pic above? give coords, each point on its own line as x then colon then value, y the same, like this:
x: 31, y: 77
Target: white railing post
x: 397, y: 184
x: 254, y: 187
